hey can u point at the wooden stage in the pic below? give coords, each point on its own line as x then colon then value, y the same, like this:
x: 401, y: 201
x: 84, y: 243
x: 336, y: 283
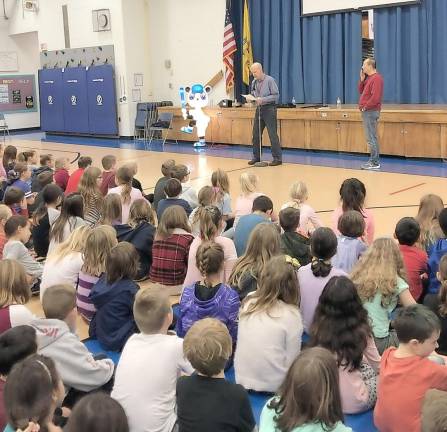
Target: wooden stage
x: 404, y: 130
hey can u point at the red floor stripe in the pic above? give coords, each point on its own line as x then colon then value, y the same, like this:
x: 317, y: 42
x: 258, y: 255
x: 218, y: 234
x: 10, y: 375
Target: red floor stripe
x: 408, y: 188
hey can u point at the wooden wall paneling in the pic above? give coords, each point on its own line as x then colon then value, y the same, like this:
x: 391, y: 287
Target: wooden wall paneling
x: 422, y: 140
x: 352, y: 137
x: 293, y: 134
x: 324, y: 135
x: 220, y: 129
x: 391, y: 138
x: 241, y: 131
x: 444, y: 141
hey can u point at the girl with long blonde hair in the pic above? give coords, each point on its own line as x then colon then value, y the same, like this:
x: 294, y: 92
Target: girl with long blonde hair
x: 93, y: 200
x: 64, y: 263
x: 99, y: 242
x: 112, y: 212
x: 128, y: 194
x: 429, y: 208
x: 264, y: 243
x: 221, y: 186
x: 380, y: 279
x: 249, y: 185
x: 271, y: 314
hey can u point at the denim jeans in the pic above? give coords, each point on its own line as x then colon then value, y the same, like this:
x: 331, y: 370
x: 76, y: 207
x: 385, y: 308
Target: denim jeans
x: 370, y: 119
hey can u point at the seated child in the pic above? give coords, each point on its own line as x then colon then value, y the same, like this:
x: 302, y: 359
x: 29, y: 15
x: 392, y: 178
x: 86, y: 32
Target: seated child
x: 209, y: 297
x: 436, y: 252
x: 32, y: 393
x: 173, y: 191
x: 97, y: 412
x: 14, y: 294
x: 309, y: 398
x: 16, y: 200
x: 379, y: 278
x: 5, y: 214
x: 206, y: 401
x: 46, y: 164
x: 406, y: 373
x: 189, y: 194
x: 150, y: 364
x: 22, y: 174
x: 56, y: 335
x: 350, y: 247
x: 293, y: 243
x: 434, y: 411
x: 113, y: 297
x: 61, y: 174
x: 16, y: 344
x: 309, y: 221
x: 108, y: 174
x: 17, y: 230
x: 207, y: 197
x: 112, y: 211
x: 407, y: 234
x: 271, y: 314
x: 159, y: 190
x: 350, y: 340
x: 221, y: 186
x: 83, y: 163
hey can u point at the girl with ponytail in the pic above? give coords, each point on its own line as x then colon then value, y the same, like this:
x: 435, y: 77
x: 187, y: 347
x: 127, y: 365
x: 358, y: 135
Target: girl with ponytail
x: 314, y: 276
x: 211, y: 224
x: 209, y: 297
x: 128, y: 194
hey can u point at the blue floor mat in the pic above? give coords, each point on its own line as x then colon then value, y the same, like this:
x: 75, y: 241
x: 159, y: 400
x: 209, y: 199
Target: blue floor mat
x: 359, y: 422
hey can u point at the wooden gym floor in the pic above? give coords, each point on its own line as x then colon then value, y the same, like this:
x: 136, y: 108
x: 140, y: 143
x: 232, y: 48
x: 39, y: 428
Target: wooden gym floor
x: 390, y: 195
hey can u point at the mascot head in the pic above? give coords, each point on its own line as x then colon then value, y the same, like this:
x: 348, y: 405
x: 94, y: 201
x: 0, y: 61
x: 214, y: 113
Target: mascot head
x: 197, y: 95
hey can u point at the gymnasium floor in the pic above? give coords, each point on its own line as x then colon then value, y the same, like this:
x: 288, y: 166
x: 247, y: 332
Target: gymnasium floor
x: 392, y: 193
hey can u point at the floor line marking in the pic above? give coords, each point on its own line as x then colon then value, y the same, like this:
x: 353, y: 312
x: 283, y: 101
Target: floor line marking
x: 407, y: 188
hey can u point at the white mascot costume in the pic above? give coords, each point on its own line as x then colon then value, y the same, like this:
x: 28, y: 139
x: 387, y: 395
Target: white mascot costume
x: 193, y: 100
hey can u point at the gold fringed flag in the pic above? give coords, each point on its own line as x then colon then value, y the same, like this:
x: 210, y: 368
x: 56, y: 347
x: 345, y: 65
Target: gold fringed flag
x: 247, y: 52
x: 229, y: 48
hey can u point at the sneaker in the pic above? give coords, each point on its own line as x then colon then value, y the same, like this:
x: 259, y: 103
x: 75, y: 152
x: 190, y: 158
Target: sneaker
x: 275, y: 162
x: 253, y: 161
x: 371, y: 166
x: 199, y: 144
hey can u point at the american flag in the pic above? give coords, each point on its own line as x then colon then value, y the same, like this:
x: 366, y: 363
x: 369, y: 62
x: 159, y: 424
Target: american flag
x: 229, y: 48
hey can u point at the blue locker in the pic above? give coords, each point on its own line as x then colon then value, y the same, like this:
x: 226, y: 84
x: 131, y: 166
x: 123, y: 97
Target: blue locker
x: 102, y: 100
x: 51, y: 102
x: 75, y: 100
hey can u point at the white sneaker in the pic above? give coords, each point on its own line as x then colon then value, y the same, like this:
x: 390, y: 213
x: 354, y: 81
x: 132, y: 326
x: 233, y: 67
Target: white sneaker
x: 370, y: 166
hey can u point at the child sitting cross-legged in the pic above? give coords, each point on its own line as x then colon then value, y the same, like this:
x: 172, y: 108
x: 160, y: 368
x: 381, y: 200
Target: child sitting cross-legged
x: 206, y: 401
x: 150, y: 364
x: 56, y: 335
x: 407, y: 372
x: 309, y: 397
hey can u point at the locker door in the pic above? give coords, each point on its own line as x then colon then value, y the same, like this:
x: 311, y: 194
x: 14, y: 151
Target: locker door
x: 75, y: 100
x: 102, y: 100
x: 51, y: 101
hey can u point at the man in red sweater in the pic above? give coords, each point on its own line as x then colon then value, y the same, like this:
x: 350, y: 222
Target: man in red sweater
x: 371, y: 93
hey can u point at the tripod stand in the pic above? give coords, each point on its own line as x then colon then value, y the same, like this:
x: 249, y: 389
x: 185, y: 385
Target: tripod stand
x: 260, y: 164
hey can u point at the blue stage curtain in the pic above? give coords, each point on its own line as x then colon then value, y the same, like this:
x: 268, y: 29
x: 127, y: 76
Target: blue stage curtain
x: 313, y: 59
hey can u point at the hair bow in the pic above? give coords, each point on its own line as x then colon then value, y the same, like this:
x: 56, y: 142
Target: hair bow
x: 293, y: 261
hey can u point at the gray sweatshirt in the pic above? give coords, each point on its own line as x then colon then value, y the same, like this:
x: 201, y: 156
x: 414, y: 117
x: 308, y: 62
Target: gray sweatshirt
x: 74, y: 362
x: 16, y: 250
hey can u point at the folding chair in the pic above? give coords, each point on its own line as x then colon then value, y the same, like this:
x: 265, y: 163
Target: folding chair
x: 140, y: 128
x: 4, y: 127
x: 163, y: 123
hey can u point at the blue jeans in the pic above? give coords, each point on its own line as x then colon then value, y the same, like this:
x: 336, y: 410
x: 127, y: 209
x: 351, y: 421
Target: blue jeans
x: 370, y: 119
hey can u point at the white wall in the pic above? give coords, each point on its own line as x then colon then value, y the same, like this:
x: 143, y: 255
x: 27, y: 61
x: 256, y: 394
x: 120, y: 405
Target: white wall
x: 190, y: 35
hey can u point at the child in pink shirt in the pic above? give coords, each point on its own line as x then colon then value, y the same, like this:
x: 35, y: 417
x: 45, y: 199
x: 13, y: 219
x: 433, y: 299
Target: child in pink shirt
x: 352, y: 195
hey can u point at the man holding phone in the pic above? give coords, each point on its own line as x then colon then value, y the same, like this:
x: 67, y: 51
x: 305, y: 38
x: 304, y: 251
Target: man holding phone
x: 370, y: 104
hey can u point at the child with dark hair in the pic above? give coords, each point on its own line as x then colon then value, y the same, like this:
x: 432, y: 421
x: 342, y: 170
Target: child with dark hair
x: 159, y: 190
x: 160, y: 355
x: 407, y: 233
x: 56, y: 335
x: 32, y: 393
x: 270, y: 314
x: 83, y: 163
x: 207, y: 197
x: 46, y: 165
x: 9, y: 157
x: 44, y: 217
x: 293, y: 243
x: 16, y: 344
x: 181, y: 173
x: 407, y: 373
x: 173, y: 190
x: 352, y: 197
x: 97, y: 412
x: 262, y: 211
x: 113, y: 297
x: 209, y: 297
x: 206, y: 401
x: 436, y: 252
x: 349, y: 245
x: 17, y: 230
x: 21, y: 175
x: 15, y: 199
x: 309, y: 397
x: 313, y: 277
x: 108, y: 174
x: 350, y: 340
